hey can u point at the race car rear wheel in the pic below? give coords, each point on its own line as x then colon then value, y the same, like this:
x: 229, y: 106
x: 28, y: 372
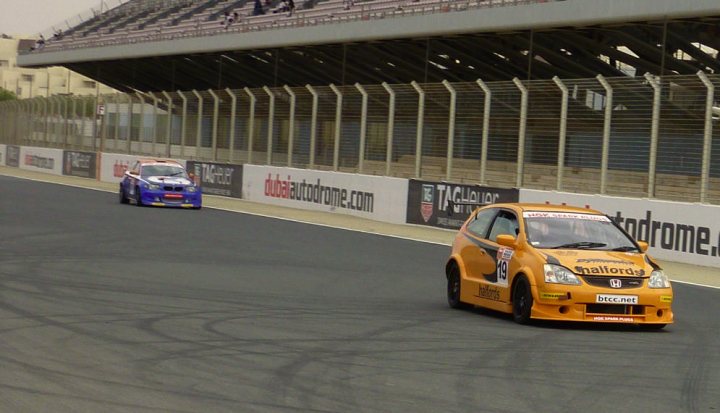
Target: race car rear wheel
x: 123, y: 198
x: 522, y: 300
x: 453, y: 288
x: 138, y: 197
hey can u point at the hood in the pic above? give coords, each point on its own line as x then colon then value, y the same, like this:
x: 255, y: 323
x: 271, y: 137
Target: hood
x: 169, y: 180
x: 610, y: 263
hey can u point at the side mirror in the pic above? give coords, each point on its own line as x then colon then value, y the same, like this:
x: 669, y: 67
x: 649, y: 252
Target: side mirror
x: 506, y: 240
x: 643, y: 245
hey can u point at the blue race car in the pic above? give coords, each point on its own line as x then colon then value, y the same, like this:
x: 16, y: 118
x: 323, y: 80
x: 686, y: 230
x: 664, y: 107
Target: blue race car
x: 160, y: 183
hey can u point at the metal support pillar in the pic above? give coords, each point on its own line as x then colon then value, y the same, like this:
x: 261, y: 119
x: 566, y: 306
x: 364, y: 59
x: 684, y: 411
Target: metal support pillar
x: 521, y: 133
x: 291, y: 126
x: 363, y: 127
x: 338, y: 125
x: 390, y: 128
x: 420, y: 126
x: 562, y: 141
x: 606, y: 133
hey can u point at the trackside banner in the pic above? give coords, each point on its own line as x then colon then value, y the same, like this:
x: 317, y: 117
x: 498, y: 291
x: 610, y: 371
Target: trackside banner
x: 114, y: 165
x: 12, y: 156
x: 41, y: 160
x: 368, y: 196
x: 676, y: 231
x: 82, y: 164
x: 427, y: 201
x: 217, y: 178
x: 2, y: 154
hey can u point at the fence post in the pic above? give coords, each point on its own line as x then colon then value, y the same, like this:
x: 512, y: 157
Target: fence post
x: 291, y: 127
x: 486, y: 129
x: 313, y: 126
x: 216, y: 115
x: 521, y: 132
x: 198, y: 134
x: 168, y: 131
x: 654, y: 132
x: 390, y: 128
x: 606, y: 133
x: 707, y: 136
x: 251, y: 124
x: 141, y: 127
x: 46, y: 115
x: 233, y: 113
x: 338, y: 119
x: 271, y: 124
x: 129, y: 131
x: 420, y: 126
x: 183, y: 124
x: 451, y: 129
x: 155, y: 122
x: 363, y: 127
x: 563, y: 132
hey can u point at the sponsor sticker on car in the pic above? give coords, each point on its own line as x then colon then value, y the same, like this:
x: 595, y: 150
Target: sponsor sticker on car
x: 616, y: 299
x: 565, y: 215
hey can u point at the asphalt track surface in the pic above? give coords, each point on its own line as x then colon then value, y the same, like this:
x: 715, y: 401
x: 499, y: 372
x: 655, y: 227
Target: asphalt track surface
x: 109, y: 307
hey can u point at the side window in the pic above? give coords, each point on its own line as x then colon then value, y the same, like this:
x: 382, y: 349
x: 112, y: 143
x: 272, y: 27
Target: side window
x: 505, y: 223
x: 479, y: 226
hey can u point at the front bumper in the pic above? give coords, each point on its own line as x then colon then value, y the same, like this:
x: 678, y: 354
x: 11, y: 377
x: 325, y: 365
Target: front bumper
x: 581, y: 303
x: 180, y: 199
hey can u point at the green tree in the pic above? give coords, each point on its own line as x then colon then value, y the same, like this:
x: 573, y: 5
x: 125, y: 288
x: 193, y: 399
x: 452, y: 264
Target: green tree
x: 6, y: 95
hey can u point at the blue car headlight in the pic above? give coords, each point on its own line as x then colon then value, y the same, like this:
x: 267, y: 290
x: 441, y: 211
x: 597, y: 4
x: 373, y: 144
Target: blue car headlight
x: 191, y: 189
x: 153, y: 187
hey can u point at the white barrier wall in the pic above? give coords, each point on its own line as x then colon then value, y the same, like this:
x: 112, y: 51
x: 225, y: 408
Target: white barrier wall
x: 367, y: 196
x: 41, y: 160
x: 114, y: 165
x: 676, y: 231
x: 2, y: 155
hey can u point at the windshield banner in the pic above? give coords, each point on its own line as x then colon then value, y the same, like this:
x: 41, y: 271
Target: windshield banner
x: 427, y: 201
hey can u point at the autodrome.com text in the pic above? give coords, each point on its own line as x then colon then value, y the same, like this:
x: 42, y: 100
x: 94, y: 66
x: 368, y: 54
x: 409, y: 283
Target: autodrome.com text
x: 318, y: 193
x: 670, y: 236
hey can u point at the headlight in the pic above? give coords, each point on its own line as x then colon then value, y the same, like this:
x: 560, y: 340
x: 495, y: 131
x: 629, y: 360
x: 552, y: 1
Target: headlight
x: 190, y: 188
x: 556, y: 274
x: 154, y: 187
x: 658, y: 279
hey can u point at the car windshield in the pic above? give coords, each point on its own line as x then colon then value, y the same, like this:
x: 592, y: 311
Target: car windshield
x: 575, y: 231
x: 163, y: 170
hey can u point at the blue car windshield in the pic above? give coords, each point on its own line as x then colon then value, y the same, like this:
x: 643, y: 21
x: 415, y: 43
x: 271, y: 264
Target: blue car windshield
x: 163, y: 170
x: 575, y: 231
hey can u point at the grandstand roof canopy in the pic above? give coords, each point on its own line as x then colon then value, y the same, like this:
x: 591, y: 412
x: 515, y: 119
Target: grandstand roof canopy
x: 427, y: 41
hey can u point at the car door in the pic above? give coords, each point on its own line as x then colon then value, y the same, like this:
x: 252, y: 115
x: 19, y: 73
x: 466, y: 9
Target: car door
x: 478, y: 262
x: 505, y: 223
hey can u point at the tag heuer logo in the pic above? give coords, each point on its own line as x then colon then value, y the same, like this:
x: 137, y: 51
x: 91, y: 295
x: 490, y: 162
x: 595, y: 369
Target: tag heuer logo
x: 428, y: 199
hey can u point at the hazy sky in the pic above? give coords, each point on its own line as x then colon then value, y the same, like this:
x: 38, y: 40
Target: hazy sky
x: 33, y: 16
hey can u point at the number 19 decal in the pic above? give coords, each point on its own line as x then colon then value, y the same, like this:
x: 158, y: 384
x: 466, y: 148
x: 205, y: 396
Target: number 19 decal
x: 503, y: 259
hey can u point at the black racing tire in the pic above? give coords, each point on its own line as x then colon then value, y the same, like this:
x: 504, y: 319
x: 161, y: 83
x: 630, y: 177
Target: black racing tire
x: 453, y: 288
x: 123, y: 198
x: 522, y: 300
x: 138, y: 197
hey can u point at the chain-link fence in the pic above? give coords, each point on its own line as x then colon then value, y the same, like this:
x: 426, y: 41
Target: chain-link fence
x: 637, y: 137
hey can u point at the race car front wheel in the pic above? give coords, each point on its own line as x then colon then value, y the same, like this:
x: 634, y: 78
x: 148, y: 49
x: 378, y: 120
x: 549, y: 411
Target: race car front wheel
x: 123, y: 198
x: 138, y: 197
x: 522, y: 300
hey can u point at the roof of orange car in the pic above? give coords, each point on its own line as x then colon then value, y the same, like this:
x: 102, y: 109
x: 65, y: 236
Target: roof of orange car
x: 549, y: 207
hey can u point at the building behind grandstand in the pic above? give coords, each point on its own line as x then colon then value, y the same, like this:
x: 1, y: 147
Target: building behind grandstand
x: 28, y: 83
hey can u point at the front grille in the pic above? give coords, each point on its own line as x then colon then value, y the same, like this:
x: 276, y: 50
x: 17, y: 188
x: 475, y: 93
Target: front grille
x: 614, y: 309
x: 605, y: 281
x: 171, y: 188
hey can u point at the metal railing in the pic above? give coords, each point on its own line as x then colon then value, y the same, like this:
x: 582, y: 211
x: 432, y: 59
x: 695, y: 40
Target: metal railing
x: 637, y: 137
x: 362, y: 11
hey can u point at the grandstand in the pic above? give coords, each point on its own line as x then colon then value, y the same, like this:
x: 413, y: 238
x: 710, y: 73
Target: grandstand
x: 580, y: 95
x: 153, y: 45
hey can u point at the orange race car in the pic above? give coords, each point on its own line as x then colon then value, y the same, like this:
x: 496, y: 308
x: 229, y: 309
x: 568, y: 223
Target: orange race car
x: 556, y: 263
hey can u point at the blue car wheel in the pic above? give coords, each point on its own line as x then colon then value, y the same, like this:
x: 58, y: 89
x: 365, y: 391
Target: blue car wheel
x: 138, y: 197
